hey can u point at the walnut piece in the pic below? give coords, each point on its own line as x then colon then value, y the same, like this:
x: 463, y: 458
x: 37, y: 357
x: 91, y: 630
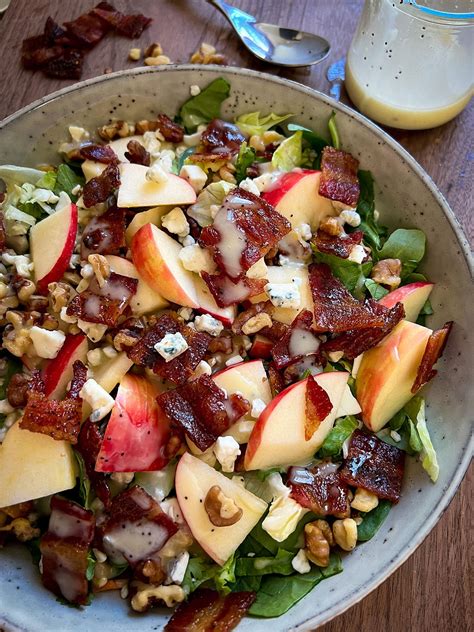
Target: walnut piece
x: 147, y: 596
x: 364, y: 500
x: 22, y: 529
x: 117, y: 129
x: 101, y: 268
x: 331, y: 226
x: 256, y: 323
x: 387, y: 272
x: 345, y: 533
x: 222, y: 511
x: 317, y: 546
x: 60, y: 294
x: 207, y: 54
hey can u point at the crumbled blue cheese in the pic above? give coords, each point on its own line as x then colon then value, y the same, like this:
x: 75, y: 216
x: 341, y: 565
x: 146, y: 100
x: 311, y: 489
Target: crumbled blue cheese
x: 78, y: 134
x: 203, y: 368
x: 175, y: 221
x: 226, y: 450
x: 188, y: 241
x: 172, y: 509
x: 351, y: 217
x: 186, y: 313
x: 284, y: 295
x: 208, y: 324
x: 304, y: 233
x: 194, y: 90
x: 249, y: 185
x: 300, y: 562
x: 177, y: 568
x: 46, y: 343
x: 196, y: 176
x: 196, y: 259
x: 22, y: 263
x: 258, y: 406
x: 283, y: 517
x: 171, y: 346
x: 357, y: 254
x: 266, y: 180
x: 156, y: 173
x: 97, y: 397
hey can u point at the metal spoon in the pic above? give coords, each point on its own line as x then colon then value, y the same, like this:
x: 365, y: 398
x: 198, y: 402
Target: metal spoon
x: 274, y: 44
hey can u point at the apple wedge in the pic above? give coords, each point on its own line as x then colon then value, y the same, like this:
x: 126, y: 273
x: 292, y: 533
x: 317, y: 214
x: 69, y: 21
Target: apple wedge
x: 52, y: 244
x: 295, y: 195
x: 92, y: 168
x: 208, y: 305
x: 135, y: 190
x: 349, y: 405
x: 193, y: 481
x: 34, y: 465
x: 108, y: 375
x: 145, y: 300
x: 278, y: 437
x: 155, y: 255
x: 387, y: 372
x: 57, y: 373
x: 413, y: 296
x: 150, y: 216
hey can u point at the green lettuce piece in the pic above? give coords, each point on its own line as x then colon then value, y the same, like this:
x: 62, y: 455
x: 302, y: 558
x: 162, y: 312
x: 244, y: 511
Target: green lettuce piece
x: 12, y: 174
x: 416, y: 411
x: 408, y: 245
x: 252, y: 123
x: 315, y: 143
x: 372, y: 521
x: 249, y: 583
x: 288, y: 154
x: 91, y: 562
x: 342, y: 430
x: 86, y: 494
x: 277, y: 594
x: 336, y: 143
x: 67, y: 180
x: 376, y: 290
x: 47, y: 180
x: 280, y: 564
x: 353, y: 275
x: 159, y: 483
x: 205, y: 106
x: 213, y: 194
x: 245, y: 158
x: 373, y: 232
x: 14, y: 365
x: 198, y: 571
x: 225, y: 575
x: 292, y: 542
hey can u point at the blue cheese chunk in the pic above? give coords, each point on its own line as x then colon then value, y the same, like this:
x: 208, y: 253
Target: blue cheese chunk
x: 171, y: 346
x: 284, y: 295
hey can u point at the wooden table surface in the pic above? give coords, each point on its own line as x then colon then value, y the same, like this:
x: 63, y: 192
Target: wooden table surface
x: 432, y: 591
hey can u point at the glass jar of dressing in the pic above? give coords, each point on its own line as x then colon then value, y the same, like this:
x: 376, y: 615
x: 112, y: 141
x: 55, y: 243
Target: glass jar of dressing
x: 411, y: 64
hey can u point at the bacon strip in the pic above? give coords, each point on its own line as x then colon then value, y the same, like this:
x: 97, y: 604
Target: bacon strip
x: 104, y: 234
x: 321, y: 489
x: 433, y: 351
x: 374, y: 465
x: 202, y: 410
x: 99, y: 153
x: 227, y: 292
x: 64, y: 549
x: 297, y: 342
x: 131, y: 26
x: 317, y: 407
x: 339, y: 180
x: 60, y: 420
x: 88, y: 447
x: 338, y: 245
x: 206, y: 610
x: 244, y: 230
x: 100, y: 188
x: 86, y: 31
x: 134, y: 516
x: 180, y: 368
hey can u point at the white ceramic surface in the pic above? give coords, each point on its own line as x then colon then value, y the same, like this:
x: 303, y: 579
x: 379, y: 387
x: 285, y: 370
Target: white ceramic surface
x: 407, y: 197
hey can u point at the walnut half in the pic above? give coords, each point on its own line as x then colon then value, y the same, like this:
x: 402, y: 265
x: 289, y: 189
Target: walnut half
x: 317, y: 544
x: 222, y: 511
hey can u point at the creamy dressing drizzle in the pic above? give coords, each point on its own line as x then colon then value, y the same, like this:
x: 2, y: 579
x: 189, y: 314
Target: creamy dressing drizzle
x: 302, y: 342
x: 232, y: 241
x: 135, y: 540
x: 65, y: 526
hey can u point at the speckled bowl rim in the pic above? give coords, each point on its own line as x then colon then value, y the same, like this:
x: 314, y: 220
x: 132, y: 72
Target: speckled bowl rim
x: 361, y: 590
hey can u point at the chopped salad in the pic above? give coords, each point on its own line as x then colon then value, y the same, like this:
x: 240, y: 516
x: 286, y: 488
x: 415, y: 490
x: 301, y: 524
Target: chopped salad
x: 212, y: 360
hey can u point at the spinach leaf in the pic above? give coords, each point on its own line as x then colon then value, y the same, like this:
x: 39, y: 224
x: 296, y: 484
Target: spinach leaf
x: 353, y: 275
x: 278, y: 594
x: 67, y: 180
x: 245, y: 158
x: 33, y: 209
x: 292, y: 542
x: 279, y: 564
x: 14, y: 365
x: 372, y: 521
x: 250, y: 583
x: 397, y: 421
x: 336, y: 143
x: 408, y: 245
x: 373, y: 233
x: 376, y: 290
x: 198, y: 571
x: 225, y: 575
x: 85, y: 492
x: 205, y: 106
x: 341, y: 431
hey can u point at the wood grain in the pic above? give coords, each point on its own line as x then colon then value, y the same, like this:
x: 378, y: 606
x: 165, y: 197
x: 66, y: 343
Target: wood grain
x: 433, y: 590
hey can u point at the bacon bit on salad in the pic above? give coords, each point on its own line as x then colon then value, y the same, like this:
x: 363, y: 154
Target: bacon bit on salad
x: 227, y: 292
x: 98, y: 189
x: 221, y: 135
x: 207, y: 610
x: 99, y: 153
x: 317, y: 407
x: 131, y: 26
x: 433, y: 351
x: 88, y: 446
x: 374, y: 465
x: 356, y: 341
x: 320, y: 489
x: 202, y: 410
x: 59, y: 419
x: 65, y: 548
x: 297, y: 341
x: 105, y: 234
x: 172, y: 132
x: 137, y: 154
x: 339, y: 245
x: 104, y: 304
x: 339, y: 180
x: 244, y: 230
x: 137, y: 512
x: 180, y: 368
x: 277, y: 382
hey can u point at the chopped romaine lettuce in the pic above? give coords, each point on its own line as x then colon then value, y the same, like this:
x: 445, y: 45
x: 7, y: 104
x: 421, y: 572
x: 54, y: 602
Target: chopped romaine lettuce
x: 225, y: 575
x: 67, y: 180
x: 212, y: 195
x: 245, y: 158
x: 416, y: 411
x: 198, y: 571
x: 343, y: 428
x: 253, y: 123
x: 336, y: 143
x: 86, y: 495
x: 205, y: 106
x: 48, y: 180
x: 288, y: 154
x: 12, y: 174
x: 408, y: 245
x: 372, y: 521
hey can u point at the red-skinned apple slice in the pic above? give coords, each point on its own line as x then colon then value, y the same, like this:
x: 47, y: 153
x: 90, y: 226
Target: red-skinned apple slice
x: 278, y: 437
x: 57, y: 373
x: 108, y: 375
x: 135, y: 190
x: 295, y: 195
x: 52, y: 244
x: 349, y: 405
x: 193, y: 481
x: 155, y: 256
x: 387, y: 372
x: 150, y: 216
x: 137, y: 431
x: 413, y: 296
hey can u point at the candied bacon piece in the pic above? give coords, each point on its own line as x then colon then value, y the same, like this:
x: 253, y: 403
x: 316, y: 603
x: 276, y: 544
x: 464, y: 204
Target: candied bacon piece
x: 135, y: 511
x: 277, y: 382
x: 339, y: 245
x: 221, y: 134
x: 433, y: 351
x: 317, y: 407
x: 131, y: 26
x: 374, y: 465
x: 217, y: 160
x: 98, y: 189
x: 202, y: 410
x: 88, y: 446
x: 64, y: 550
x: 297, y: 342
x: 67, y: 65
x: 86, y: 30
x: 59, y: 419
x: 137, y: 153
x: 104, y: 234
x: 339, y: 180
x: 36, y: 52
x: 172, y: 132
x: 99, y: 153
x: 245, y: 229
x: 227, y: 292
x: 320, y: 489
x: 179, y: 369
x: 207, y: 610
